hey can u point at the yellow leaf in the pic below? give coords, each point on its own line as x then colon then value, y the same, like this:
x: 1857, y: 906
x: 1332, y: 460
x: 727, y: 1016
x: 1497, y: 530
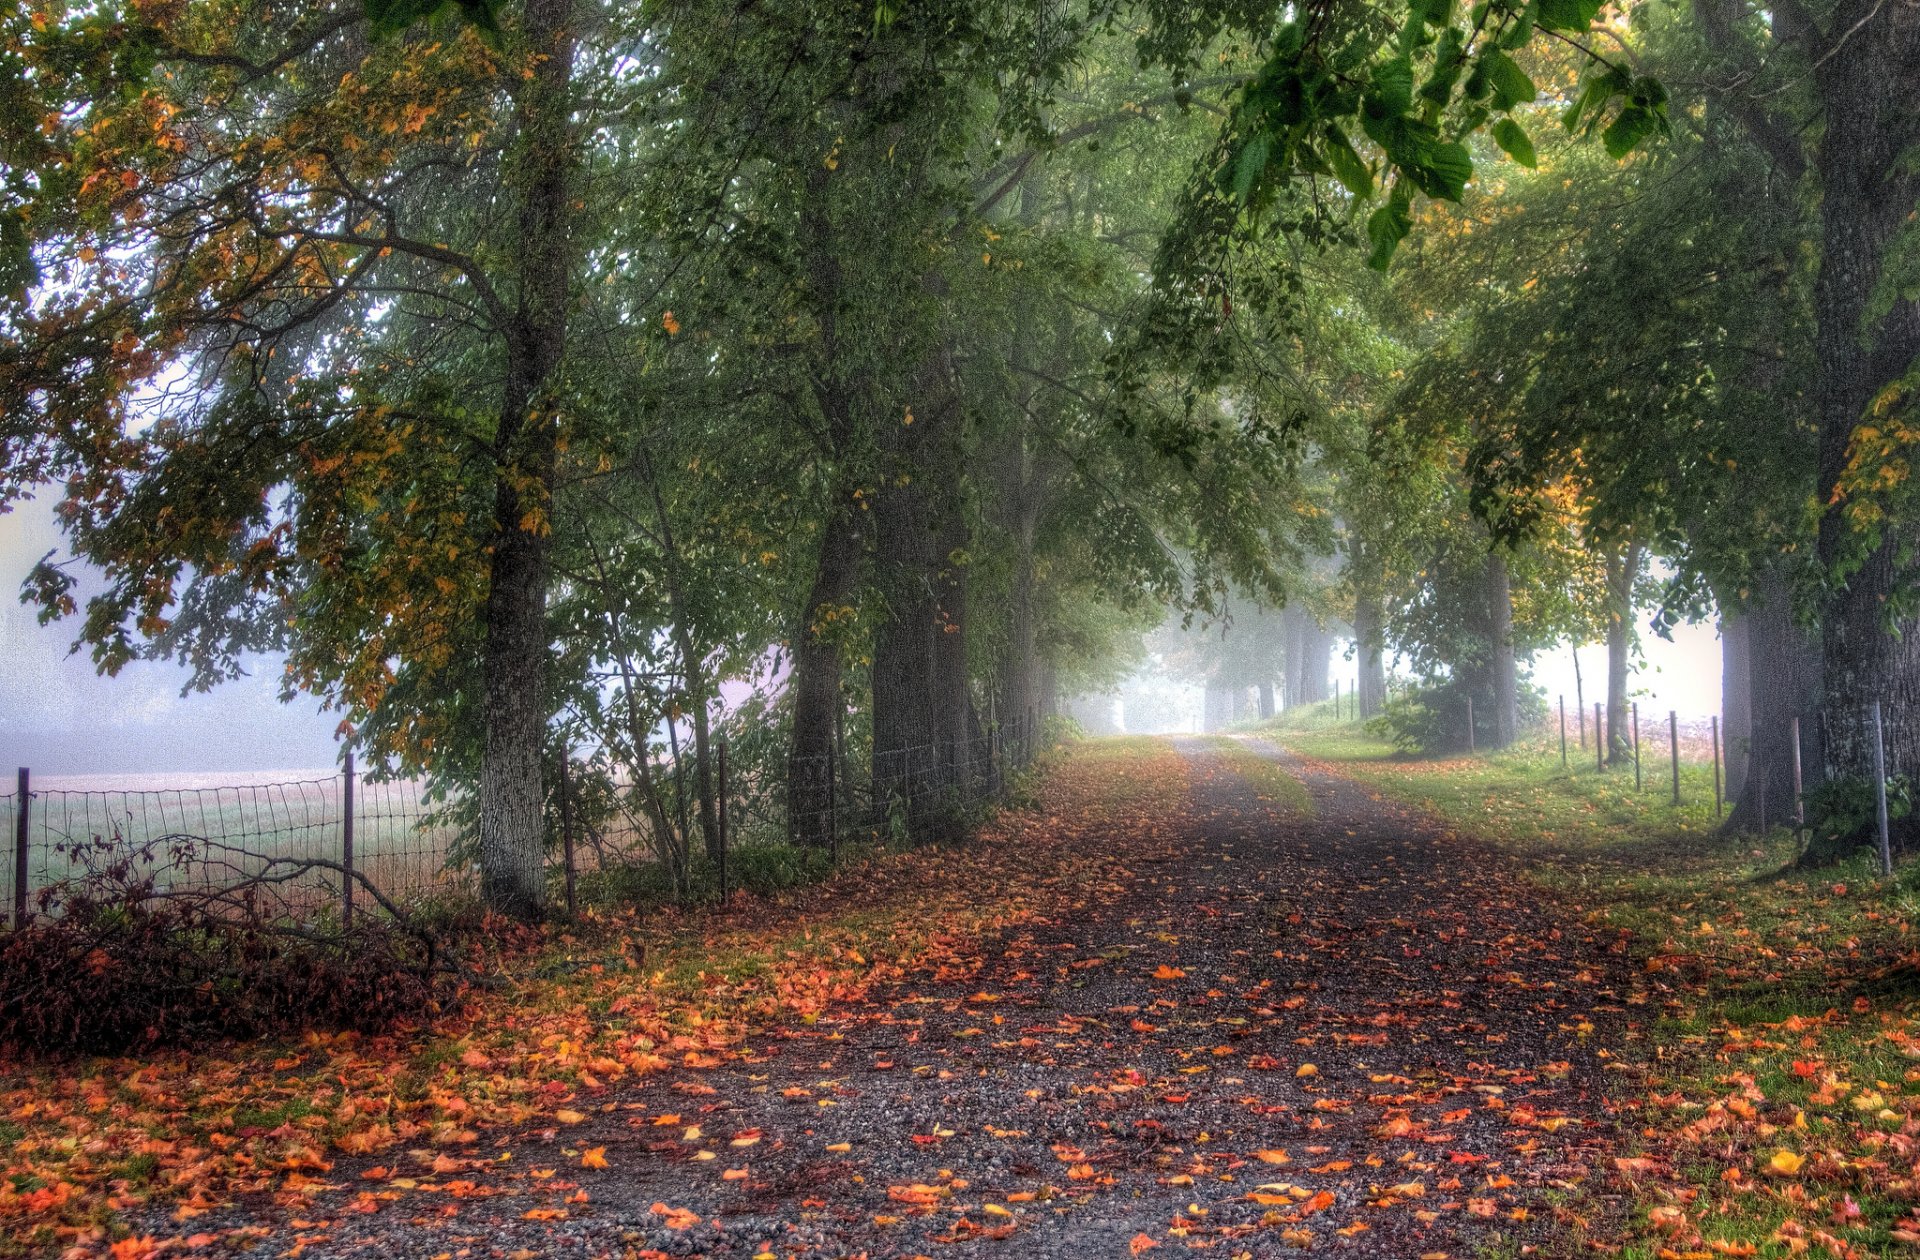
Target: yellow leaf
x: 1786, y: 1163
x: 594, y: 1157
x: 1307, y: 1069
x: 564, y: 1116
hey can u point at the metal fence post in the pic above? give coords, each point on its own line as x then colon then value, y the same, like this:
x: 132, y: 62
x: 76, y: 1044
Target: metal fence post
x: 23, y: 804
x: 1563, y: 732
x: 1673, y: 738
x: 1717, y: 798
x: 1636, y: 746
x: 1880, y: 790
x: 1799, y: 802
x: 723, y: 816
x: 346, y: 845
x: 566, y: 831
x: 1470, y: 747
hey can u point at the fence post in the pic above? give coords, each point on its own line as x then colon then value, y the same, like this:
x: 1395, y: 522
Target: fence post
x: 724, y: 890
x: 1563, y: 732
x: 23, y: 805
x: 1717, y: 798
x: 566, y: 830
x: 346, y: 845
x: 1599, y: 739
x: 1880, y: 790
x: 1673, y: 738
x: 1799, y: 803
x: 1336, y: 699
x: 1636, y: 746
x: 1470, y: 747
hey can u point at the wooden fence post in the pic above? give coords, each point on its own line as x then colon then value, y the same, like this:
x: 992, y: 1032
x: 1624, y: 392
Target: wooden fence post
x: 1673, y: 738
x: 1336, y: 699
x: 346, y: 844
x: 723, y: 816
x: 1563, y: 732
x: 22, y: 804
x: 1470, y: 747
x: 566, y: 832
x: 1880, y: 789
x: 1636, y: 746
x: 1717, y: 798
x: 1599, y: 739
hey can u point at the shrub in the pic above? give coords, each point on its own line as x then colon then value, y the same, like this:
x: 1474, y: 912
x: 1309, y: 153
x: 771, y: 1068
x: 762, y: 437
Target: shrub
x: 1843, y: 814
x: 109, y: 976
x: 1433, y: 718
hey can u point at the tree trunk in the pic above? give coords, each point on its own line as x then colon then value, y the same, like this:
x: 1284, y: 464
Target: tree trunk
x: 1316, y: 660
x: 1369, y: 620
x: 1621, y: 569
x: 1266, y: 700
x: 952, y: 699
x: 1736, y: 701
x: 1506, y: 682
x: 1783, y: 678
x: 512, y: 830
x: 812, y: 764
x: 1869, y: 187
x: 909, y: 513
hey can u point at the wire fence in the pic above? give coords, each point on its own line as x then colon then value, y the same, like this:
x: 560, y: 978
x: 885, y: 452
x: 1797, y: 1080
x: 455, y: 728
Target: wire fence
x: 298, y: 834
x: 302, y: 846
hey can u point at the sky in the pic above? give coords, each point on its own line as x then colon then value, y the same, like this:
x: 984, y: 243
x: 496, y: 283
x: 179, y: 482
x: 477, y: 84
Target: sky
x: 60, y: 718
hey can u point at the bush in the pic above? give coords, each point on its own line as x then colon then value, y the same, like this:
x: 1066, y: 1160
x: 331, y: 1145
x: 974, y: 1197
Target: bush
x: 1433, y: 718
x: 112, y: 976
x: 1843, y: 815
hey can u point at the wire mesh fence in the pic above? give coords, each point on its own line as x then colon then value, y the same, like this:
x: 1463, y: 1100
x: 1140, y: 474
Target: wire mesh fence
x: 299, y: 847
x: 296, y: 836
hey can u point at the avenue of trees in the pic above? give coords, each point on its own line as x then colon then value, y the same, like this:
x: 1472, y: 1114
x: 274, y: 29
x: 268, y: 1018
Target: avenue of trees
x: 525, y: 372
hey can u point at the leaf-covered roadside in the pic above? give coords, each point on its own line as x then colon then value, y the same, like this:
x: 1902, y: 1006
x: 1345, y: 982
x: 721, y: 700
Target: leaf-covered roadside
x: 1780, y: 1112
x: 571, y: 1015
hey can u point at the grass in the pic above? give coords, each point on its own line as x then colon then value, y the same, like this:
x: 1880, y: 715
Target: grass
x: 1783, y: 1010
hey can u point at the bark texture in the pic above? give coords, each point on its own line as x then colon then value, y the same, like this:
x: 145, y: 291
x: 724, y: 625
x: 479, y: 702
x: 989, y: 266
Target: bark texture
x: 512, y: 830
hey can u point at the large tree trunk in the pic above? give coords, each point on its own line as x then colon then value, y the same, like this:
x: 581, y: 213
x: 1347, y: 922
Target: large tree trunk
x: 1621, y: 569
x: 910, y: 513
x: 1783, y: 675
x: 1736, y: 700
x: 1869, y: 187
x: 1506, y: 681
x: 512, y: 830
x: 1266, y: 700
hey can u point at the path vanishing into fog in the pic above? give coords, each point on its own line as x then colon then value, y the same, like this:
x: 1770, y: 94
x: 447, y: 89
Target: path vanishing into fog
x: 1335, y: 1028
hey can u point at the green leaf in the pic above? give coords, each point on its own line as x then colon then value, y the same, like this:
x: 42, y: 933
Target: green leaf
x: 1386, y: 228
x: 1251, y: 166
x: 1441, y: 169
x: 1392, y: 91
x: 1511, y: 86
x: 1635, y: 123
x: 1566, y: 15
x: 1514, y: 142
x: 1346, y: 164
